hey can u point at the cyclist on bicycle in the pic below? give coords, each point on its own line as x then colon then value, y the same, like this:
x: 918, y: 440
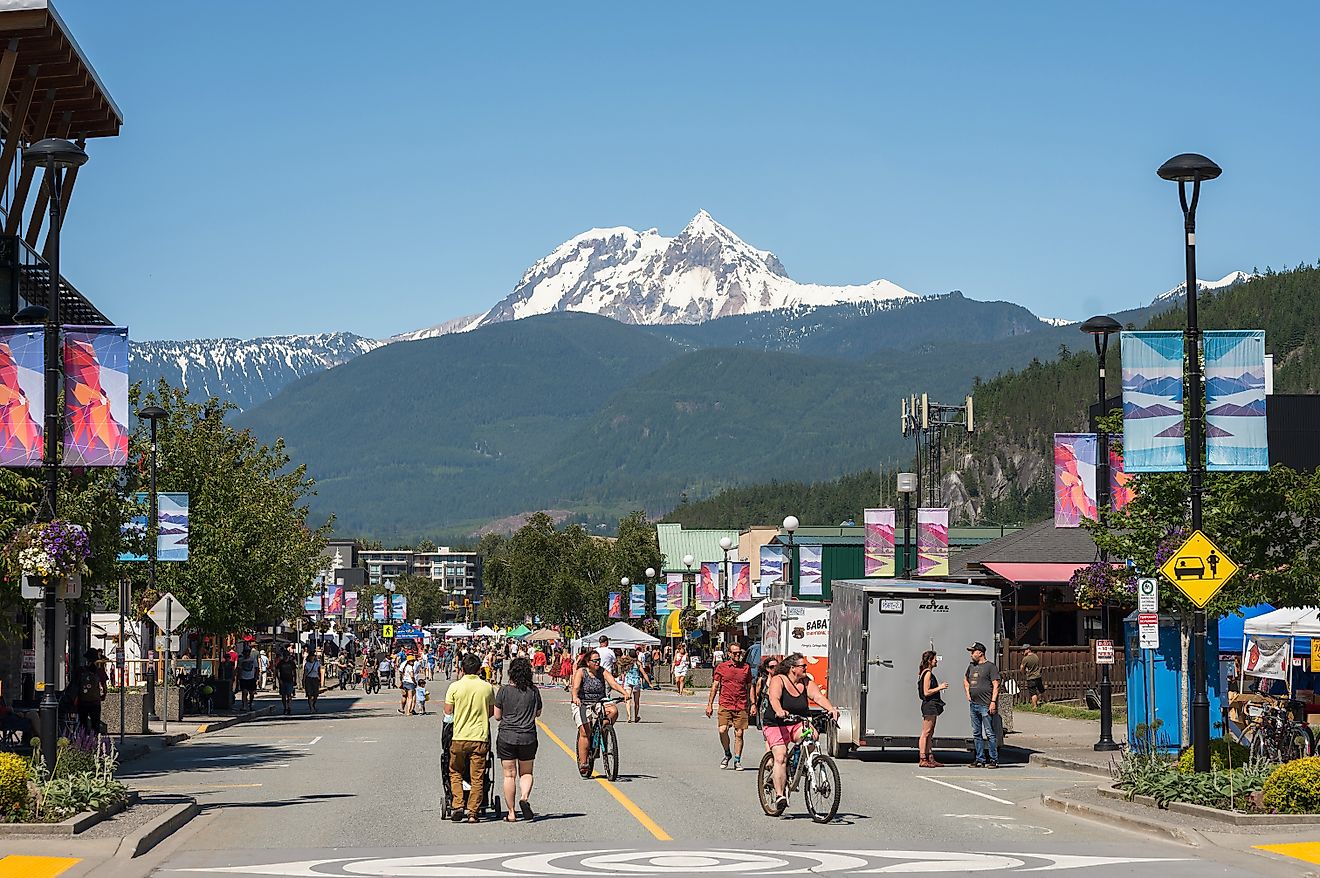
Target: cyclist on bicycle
x: 590, y: 684
x: 789, y: 695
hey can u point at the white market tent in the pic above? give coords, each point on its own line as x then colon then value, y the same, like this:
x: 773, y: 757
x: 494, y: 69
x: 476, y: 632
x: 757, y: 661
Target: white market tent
x: 459, y: 631
x: 1290, y: 621
x: 486, y: 631
x: 620, y: 634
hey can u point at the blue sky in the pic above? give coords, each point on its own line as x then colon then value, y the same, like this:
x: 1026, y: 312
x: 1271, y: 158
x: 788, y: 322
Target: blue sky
x: 379, y: 167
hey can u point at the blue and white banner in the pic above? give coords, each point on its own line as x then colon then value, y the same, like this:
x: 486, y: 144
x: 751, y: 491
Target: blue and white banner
x: 1153, y: 402
x: 637, y: 601
x: 1235, y: 434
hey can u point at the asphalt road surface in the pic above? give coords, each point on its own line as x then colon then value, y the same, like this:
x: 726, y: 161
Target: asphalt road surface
x: 355, y: 790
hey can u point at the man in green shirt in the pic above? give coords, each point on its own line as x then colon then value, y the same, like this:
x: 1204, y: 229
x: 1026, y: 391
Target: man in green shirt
x: 470, y: 700
x: 1031, y: 672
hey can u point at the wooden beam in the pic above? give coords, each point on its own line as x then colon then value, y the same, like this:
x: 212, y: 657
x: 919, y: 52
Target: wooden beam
x: 17, y: 122
x: 7, y: 62
x: 25, y: 175
x: 42, y: 201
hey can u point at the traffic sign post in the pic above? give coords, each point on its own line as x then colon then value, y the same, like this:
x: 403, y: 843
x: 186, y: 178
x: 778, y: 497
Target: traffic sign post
x: 168, y: 614
x: 1104, y: 652
x: 1199, y: 569
x: 1148, y: 630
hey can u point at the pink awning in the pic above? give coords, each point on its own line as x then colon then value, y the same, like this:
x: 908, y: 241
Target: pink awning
x: 1049, y: 573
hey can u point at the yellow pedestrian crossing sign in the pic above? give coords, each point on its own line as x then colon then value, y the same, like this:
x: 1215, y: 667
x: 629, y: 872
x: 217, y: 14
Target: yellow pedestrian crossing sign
x: 387, y: 631
x: 1199, y: 568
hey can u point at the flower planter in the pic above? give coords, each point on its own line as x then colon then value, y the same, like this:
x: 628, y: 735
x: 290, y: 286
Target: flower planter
x: 1236, y: 818
x: 69, y: 827
x: 135, y: 712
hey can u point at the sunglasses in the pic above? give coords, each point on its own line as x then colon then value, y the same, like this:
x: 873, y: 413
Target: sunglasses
x: 803, y: 665
x: 593, y: 661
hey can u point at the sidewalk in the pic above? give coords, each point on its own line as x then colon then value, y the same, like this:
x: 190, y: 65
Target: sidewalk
x: 137, y: 746
x: 1063, y: 743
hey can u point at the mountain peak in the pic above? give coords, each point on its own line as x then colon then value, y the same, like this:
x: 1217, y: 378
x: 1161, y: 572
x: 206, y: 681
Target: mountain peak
x: 1228, y: 280
x: 704, y: 224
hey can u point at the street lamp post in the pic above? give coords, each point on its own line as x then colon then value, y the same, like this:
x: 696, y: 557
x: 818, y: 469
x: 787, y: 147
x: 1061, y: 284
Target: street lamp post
x: 389, y: 603
x: 907, y: 486
x: 688, y: 561
x: 725, y: 544
x: 650, y: 591
x: 1183, y: 169
x: 1100, y: 328
x: 153, y: 414
x: 790, y: 525
x: 623, y: 593
x: 55, y: 155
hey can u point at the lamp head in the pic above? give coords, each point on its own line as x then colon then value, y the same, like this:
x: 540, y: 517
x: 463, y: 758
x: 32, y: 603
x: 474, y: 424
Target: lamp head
x: 688, y: 560
x: 1101, y: 324
x: 153, y: 413
x: 64, y: 153
x: 726, y: 544
x: 791, y: 523
x: 624, y: 582
x: 650, y: 571
x: 31, y: 314
x: 907, y: 483
x: 1190, y: 167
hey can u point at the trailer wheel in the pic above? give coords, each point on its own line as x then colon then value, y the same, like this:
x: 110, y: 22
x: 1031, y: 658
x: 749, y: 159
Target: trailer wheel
x: 834, y: 748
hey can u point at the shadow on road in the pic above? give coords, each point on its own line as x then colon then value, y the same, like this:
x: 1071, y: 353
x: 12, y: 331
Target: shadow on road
x: 311, y: 798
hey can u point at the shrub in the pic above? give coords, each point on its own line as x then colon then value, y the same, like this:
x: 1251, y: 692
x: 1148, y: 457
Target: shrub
x: 13, y: 783
x: 1294, y: 787
x: 1223, y: 752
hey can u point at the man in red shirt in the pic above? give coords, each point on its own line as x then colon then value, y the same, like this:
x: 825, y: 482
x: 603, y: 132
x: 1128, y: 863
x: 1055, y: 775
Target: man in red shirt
x: 732, y: 682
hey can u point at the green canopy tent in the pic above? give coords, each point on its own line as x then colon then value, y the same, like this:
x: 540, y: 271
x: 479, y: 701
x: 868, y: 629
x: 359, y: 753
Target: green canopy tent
x: 520, y: 632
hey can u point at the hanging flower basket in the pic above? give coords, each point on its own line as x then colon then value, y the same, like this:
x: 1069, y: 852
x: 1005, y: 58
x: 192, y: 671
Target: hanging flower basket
x: 1099, y: 582
x: 726, y: 617
x: 48, y: 549
x: 651, y: 625
x: 687, y: 617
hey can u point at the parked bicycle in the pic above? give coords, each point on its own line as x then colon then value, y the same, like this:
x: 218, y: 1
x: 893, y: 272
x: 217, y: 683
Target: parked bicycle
x: 806, y: 762
x: 604, y: 743
x: 197, y: 693
x: 1274, y: 735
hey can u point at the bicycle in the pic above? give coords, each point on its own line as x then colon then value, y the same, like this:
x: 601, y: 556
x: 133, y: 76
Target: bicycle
x: 372, y: 684
x: 806, y: 761
x: 1275, y: 736
x: 603, y: 743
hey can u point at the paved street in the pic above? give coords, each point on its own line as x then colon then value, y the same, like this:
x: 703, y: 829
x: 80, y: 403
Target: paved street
x: 355, y: 791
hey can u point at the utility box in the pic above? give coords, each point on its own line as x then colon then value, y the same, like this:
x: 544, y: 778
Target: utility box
x: 878, y: 631
x: 1159, y: 673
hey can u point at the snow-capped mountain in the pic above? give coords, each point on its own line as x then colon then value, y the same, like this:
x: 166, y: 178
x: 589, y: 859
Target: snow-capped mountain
x: 244, y: 372
x: 1228, y: 280
x: 458, y: 324
x: 704, y: 272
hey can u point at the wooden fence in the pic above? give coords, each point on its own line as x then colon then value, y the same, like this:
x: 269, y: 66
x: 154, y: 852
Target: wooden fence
x: 1069, y: 672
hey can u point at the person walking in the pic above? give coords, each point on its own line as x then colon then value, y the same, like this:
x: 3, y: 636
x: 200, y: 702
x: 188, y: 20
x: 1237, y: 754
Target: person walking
x: 1031, y: 672
x: 981, y: 684
x: 92, y: 682
x: 517, y: 705
x: 607, y: 656
x: 732, y: 682
x: 538, y: 664
x: 245, y: 681
x: 681, y: 670
x: 635, y: 679
x: 313, y: 678
x: 263, y: 670
x: 470, y: 701
x: 760, y: 686
x: 408, y: 686
x: 286, y: 677
x: 932, y: 705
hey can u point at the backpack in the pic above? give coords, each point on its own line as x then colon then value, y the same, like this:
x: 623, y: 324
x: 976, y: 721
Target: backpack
x: 89, y: 684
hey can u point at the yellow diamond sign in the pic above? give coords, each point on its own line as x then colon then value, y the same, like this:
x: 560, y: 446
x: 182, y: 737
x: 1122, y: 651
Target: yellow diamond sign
x: 387, y: 631
x: 1199, y: 568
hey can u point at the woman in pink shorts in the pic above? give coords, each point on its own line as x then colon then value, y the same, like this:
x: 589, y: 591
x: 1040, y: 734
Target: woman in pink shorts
x: 789, y: 696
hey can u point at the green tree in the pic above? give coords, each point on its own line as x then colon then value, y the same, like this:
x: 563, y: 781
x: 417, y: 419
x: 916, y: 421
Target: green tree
x: 427, y: 599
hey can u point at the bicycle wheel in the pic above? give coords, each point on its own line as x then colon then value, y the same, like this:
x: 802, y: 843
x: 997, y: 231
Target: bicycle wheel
x: 1301, y: 743
x: 823, y: 788
x: 1260, y: 749
x: 609, y: 753
x: 765, y: 786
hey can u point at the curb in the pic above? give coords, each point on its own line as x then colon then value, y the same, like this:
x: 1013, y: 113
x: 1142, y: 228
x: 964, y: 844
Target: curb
x: 138, y: 750
x: 1068, y: 764
x: 1121, y: 819
x: 233, y: 720
x: 158, y: 830
x: 69, y: 827
x: 1230, y: 818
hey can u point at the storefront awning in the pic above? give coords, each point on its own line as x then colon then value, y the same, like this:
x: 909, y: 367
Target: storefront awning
x: 1032, y: 573
x: 752, y: 613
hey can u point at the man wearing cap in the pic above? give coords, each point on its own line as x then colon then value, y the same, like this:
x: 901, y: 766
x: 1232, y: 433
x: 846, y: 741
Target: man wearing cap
x: 1032, y: 674
x: 981, y: 683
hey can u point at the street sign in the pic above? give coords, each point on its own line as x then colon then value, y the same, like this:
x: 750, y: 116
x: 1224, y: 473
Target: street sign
x: 29, y: 661
x: 168, y: 606
x: 170, y: 644
x: 1104, y: 652
x: 1148, y: 630
x: 1199, y: 568
x: 33, y: 589
x: 1148, y: 595
x: 387, y: 631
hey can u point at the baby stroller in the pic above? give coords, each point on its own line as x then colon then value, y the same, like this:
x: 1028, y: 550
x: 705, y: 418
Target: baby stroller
x: 489, y: 801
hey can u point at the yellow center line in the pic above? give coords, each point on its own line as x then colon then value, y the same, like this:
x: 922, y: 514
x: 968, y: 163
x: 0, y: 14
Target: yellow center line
x: 628, y: 804
x: 1306, y: 851
x: 16, y: 866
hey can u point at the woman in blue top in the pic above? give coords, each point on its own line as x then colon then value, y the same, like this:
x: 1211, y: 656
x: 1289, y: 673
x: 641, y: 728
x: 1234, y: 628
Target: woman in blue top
x: 633, y: 680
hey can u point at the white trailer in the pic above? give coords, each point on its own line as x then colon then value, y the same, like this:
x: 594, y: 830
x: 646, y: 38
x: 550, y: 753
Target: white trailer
x: 878, y: 631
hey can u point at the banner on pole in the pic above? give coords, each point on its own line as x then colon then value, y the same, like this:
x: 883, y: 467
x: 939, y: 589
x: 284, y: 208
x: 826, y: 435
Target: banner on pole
x: 637, y: 600
x: 1235, y: 425
x: 740, y: 581
x: 708, y: 585
x: 171, y: 527
x: 22, y: 396
x: 616, y: 605
x: 1074, y: 478
x: 351, y: 604
x: 312, y: 603
x: 674, y: 592
x: 1121, y: 486
x: 932, y: 542
x: 809, y: 571
x: 661, y: 599
x: 1153, y: 402
x: 334, y: 599
x: 95, y: 396
x: 879, y: 542
x: 771, y: 564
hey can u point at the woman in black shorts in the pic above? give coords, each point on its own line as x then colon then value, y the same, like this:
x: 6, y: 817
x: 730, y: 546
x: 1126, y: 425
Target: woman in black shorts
x: 932, y: 705
x: 517, y: 705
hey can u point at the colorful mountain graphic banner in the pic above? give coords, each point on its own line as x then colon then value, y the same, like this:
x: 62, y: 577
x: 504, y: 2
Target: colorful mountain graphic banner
x: 1122, y: 488
x: 616, y: 605
x: 334, y: 600
x: 673, y: 592
x: 1153, y: 402
x: 637, y: 600
x: 740, y: 581
x: 171, y: 527
x: 399, y: 607
x: 1074, y: 478
x: 772, y: 567
x: 708, y: 585
x: 22, y: 395
x: 933, y: 542
x: 661, y: 599
x: 1235, y: 433
x: 809, y: 571
x: 351, y: 604
x: 879, y: 542
x: 95, y: 396
x: 312, y: 603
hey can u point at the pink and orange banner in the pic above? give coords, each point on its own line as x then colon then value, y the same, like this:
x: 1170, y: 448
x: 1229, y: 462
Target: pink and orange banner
x: 616, y: 605
x: 879, y: 542
x: 22, y: 396
x: 673, y: 592
x: 740, y: 579
x: 708, y: 585
x: 1074, y: 478
x: 95, y: 396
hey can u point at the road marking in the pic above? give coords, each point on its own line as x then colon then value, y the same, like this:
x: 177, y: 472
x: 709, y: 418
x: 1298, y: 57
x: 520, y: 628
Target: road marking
x: 313, y: 741
x: 17, y: 866
x: 628, y: 805
x: 965, y: 790
x: 1306, y: 851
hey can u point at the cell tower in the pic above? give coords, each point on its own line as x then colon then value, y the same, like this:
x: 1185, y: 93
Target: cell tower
x: 928, y: 423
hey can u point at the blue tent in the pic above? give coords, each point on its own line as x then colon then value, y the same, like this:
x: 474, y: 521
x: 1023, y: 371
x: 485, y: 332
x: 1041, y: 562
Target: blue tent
x: 1231, y: 633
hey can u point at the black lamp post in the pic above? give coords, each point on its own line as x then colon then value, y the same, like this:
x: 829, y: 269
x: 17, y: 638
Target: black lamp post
x: 152, y: 414
x: 1183, y: 169
x: 907, y: 486
x: 1100, y: 328
x: 55, y: 155
x: 790, y: 525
